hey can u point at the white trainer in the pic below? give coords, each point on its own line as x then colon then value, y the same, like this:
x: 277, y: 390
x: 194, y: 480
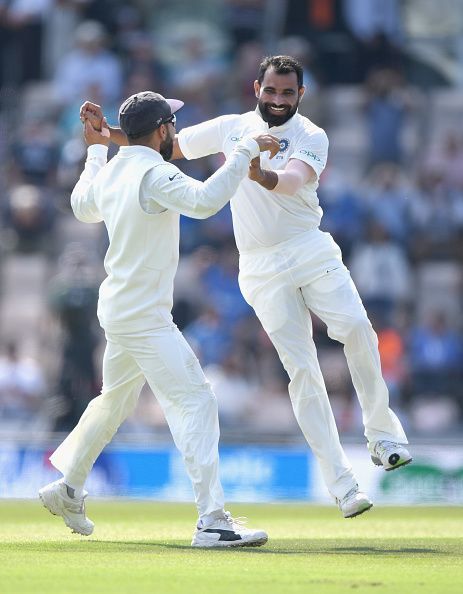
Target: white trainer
x: 354, y: 503
x: 389, y: 454
x: 56, y: 499
x: 227, y: 532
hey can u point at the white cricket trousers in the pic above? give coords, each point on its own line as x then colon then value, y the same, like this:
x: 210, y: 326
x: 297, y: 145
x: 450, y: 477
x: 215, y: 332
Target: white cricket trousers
x: 164, y: 359
x: 283, y: 284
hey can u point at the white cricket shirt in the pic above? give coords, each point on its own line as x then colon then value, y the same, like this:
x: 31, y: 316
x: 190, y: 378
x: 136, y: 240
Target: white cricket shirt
x: 263, y: 218
x: 139, y: 196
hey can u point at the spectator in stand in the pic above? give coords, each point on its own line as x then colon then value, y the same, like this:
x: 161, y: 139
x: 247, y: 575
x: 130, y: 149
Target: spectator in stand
x: 343, y: 210
x: 436, y: 352
x: 22, y: 388
x: 244, y: 19
x: 387, y: 102
x: 381, y: 273
x: 388, y: 200
x: 21, y: 40
x: 240, y: 95
x: 235, y: 392
x: 394, y: 364
x: 141, y: 60
x: 220, y: 283
x: 448, y: 159
x: 436, y: 217
x: 29, y: 213
x: 366, y: 18
x: 209, y: 337
x: 89, y: 64
x: 73, y: 297
x: 35, y: 152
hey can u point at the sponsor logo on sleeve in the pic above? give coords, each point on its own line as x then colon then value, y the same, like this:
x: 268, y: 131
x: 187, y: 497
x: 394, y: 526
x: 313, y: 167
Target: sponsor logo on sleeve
x: 311, y: 155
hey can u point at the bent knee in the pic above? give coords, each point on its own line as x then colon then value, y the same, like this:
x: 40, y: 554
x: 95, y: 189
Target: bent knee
x: 356, y: 326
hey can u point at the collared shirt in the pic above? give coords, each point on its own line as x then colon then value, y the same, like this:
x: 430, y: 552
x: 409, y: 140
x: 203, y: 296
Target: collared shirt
x: 139, y: 196
x: 263, y: 218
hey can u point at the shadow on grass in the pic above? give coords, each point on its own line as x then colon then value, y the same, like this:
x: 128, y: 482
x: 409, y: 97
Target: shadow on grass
x: 274, y: 547
x: 301, y: 547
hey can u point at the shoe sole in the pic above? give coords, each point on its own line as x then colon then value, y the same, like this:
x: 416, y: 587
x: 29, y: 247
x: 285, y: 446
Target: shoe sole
x: 233, y: 544
x: 357, y: 513
x: 377, y: 462
x: 48, y: 504
x: 399, y: 465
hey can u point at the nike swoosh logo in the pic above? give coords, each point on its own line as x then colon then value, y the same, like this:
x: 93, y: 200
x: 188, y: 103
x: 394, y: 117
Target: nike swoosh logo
x: 173, y: 177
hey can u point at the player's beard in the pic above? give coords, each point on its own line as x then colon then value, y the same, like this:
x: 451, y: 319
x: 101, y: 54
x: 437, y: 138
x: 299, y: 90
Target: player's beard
x: 273, y: 119
x: 166, y: 148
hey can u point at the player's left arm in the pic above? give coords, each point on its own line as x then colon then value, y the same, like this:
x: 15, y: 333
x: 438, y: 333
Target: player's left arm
x: 284, y: 181
x: 305, y: 165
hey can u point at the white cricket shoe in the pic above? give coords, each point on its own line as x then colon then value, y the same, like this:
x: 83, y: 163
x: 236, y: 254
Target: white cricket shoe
x: 354, y: 503
x: 388, y: 454
x: 56, y: 499
x: 227, y: 532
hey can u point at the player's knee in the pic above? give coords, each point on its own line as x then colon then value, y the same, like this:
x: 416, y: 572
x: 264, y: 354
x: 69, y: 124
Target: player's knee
x: 361, y: 328
x: 357, y: 326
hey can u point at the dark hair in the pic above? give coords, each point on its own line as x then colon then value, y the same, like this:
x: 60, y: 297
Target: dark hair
x: 281, y: 65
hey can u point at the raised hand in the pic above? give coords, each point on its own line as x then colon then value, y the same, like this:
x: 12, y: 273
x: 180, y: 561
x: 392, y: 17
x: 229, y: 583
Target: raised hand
x: 93, y: 112
x: 93, y: 136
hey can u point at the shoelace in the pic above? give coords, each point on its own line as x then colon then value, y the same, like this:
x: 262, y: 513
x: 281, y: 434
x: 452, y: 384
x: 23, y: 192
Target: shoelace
x: 227, y: 519
x: 384, y: 447
x: 353, y: 491
x: 239, y: 521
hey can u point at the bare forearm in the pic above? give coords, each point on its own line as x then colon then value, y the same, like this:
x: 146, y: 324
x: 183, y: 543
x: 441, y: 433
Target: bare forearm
x: 283, y: 181
x: 268, y: 179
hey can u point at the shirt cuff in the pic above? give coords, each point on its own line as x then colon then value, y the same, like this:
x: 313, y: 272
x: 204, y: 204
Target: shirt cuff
x: 249, y: 144
x: 98, y: 151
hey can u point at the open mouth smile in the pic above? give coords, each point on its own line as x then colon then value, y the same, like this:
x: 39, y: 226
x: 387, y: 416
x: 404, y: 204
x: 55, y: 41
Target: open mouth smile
x: 277, y: 109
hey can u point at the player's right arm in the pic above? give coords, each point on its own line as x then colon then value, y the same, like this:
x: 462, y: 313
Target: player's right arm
x: 82, y: 198
x: 173, y: 190
x: 202, y: 139
x: 93, y: 112
x: 191, y: 143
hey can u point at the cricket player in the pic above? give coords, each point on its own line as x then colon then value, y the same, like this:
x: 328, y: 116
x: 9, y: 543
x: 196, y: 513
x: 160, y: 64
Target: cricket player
x: 289, y: 268
x: 140, y: 197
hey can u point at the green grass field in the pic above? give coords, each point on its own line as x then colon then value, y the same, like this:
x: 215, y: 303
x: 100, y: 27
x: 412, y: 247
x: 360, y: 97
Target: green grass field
x: 142, y: 547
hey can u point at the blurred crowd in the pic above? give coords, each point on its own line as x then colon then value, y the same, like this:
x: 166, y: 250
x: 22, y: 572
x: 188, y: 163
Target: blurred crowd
x: 392, y: 196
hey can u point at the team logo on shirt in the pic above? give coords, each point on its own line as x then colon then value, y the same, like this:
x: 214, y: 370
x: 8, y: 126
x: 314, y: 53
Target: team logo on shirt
x: 284, y: 145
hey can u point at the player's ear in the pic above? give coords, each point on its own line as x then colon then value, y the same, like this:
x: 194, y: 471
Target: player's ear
x: 257, y: 88
x: 163, y: 131
x: 301, y: 91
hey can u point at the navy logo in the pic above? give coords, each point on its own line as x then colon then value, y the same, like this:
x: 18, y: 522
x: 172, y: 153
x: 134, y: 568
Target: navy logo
x: 311, y: 155
x: 284, y: 145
